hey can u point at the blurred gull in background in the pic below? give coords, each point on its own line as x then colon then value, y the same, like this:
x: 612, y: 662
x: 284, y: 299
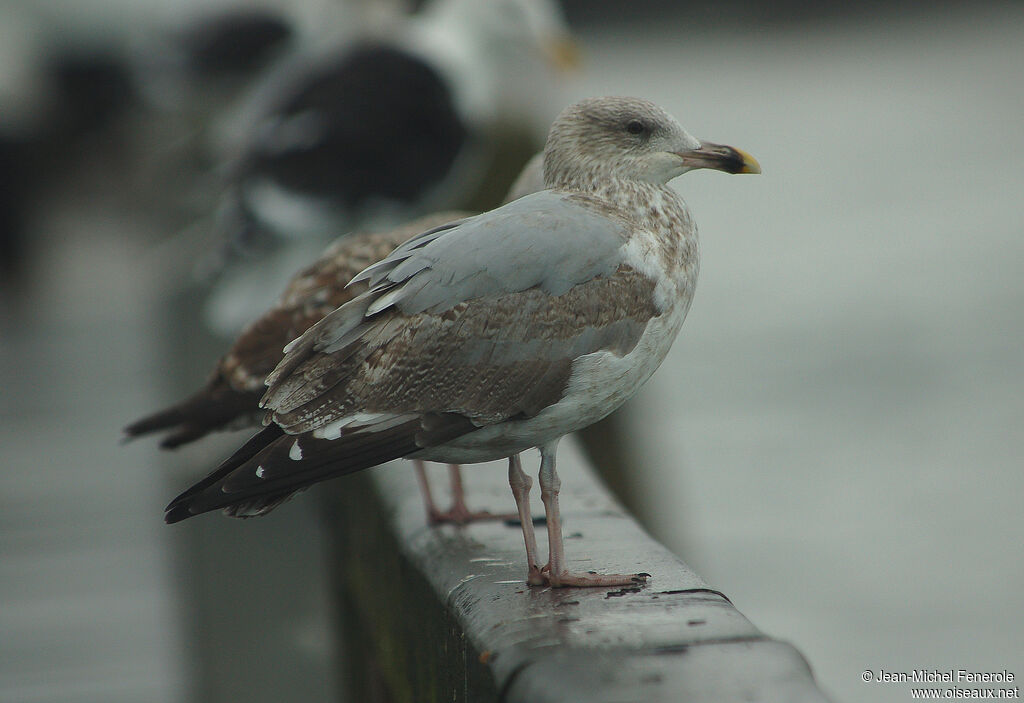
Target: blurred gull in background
x: 432, y: 111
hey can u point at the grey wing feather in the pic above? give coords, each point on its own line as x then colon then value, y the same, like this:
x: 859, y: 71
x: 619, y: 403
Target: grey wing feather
x: 375, y: 273
x: 545, y: 240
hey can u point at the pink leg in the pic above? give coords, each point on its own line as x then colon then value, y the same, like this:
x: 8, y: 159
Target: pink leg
x: 558, y: 573
x: 521, y: 484
x: 459, y: 513
x: 434, y: 515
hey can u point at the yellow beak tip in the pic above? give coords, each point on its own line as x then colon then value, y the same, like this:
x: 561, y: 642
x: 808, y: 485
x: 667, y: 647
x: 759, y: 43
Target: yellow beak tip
x: 750, y: 164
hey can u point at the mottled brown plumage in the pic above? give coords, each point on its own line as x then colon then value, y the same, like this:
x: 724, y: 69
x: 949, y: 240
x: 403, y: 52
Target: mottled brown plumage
x: 230, y: 399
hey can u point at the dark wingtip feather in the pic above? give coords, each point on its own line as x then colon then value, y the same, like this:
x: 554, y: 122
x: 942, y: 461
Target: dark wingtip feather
x: 162, y: 419
x: 213, y: 408
x: 182, y: 506
x: 263, y: 473
x: 186, y: 435
x: 176, y: 513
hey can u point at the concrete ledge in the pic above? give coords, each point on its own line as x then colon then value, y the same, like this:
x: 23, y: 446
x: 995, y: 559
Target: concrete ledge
x: 444, y: 613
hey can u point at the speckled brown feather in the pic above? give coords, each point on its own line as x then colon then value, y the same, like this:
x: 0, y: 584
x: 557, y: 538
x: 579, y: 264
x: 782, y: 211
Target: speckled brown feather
x: 311, y: 294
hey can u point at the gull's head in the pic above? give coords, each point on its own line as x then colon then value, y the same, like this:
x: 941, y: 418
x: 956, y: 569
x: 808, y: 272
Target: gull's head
x: 629, y: 139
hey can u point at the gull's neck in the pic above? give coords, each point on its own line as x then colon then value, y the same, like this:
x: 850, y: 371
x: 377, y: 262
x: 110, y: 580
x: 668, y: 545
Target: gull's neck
x: 659, y: 211
x: 633, y: 198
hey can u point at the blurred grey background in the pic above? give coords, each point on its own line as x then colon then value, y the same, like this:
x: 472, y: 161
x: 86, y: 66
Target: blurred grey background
x: 834, y: 441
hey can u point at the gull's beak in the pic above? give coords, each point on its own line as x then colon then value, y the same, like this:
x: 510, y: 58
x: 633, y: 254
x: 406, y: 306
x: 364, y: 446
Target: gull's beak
x: 563, y: 53
x: 721, y: 158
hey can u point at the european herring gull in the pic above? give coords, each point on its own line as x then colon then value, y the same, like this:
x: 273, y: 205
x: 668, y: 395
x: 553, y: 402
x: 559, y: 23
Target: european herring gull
x: 505, y: 331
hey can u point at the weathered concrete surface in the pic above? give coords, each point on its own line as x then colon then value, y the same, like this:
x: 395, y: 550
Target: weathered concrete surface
x: 444, y: 613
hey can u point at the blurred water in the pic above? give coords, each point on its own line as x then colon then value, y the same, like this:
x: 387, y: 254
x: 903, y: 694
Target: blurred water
x: 835, y: 439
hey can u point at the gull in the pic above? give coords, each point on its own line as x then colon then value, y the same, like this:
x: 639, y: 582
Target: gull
x: 424, y: 117
x: 229, y: 400
x: 506, y: 331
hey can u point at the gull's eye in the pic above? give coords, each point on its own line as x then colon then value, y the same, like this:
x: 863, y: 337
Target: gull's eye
x: 636, y: 127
